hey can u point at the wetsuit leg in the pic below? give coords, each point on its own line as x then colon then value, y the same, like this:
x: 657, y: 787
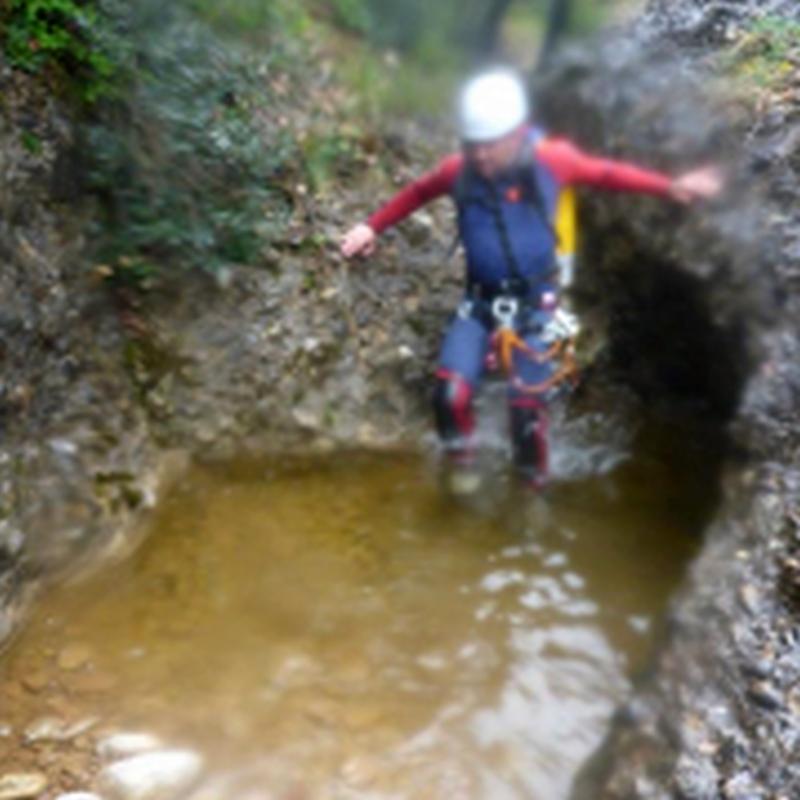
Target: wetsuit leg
x: 461, y: 363
x: 529, y: 417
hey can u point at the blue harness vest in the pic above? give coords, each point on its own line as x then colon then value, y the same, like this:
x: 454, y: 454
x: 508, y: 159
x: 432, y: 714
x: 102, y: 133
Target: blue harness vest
x: 506, y: 226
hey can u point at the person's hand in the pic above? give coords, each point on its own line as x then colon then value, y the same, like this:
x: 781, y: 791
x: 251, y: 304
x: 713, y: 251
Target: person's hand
x: 699, y: 184
x: 358, y: 241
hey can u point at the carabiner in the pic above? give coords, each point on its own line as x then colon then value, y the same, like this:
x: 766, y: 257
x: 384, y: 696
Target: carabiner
x: 504, y: 310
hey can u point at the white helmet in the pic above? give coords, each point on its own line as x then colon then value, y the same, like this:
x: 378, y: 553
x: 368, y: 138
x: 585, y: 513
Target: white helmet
x: 491, y: 105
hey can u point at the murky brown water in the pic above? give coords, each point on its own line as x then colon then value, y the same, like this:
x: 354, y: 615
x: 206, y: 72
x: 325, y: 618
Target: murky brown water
x: 343, y: 630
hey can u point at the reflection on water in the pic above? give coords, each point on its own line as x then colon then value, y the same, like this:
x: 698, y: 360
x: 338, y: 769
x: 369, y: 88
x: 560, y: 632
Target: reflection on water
x: 341, y: 629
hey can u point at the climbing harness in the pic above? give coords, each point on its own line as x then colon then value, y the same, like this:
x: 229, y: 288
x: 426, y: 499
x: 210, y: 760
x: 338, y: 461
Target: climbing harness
x: 558, y: 335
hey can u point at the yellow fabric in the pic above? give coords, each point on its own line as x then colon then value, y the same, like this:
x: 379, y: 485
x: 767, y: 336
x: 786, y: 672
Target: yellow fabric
x: 567, y: 223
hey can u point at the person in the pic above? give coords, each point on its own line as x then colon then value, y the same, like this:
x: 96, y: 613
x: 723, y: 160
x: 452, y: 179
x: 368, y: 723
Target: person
x: 507, y: 182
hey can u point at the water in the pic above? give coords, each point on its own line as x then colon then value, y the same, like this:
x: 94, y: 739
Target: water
x: 341, y: 629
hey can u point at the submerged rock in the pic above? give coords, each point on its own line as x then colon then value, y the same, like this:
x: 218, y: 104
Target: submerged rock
x: 160, y: 775
x: 22, y: 785
x: 696, y: 780
x: 91, y: 682
x: 360, y: 772
x: 52, y: 729
x: 79, y: 796
x: 36, y: 680
x: 120, y: 745
x: 73, y: 656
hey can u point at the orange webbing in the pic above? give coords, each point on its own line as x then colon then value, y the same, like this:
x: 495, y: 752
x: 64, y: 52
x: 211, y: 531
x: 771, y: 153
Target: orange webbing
x: 507, y: 341
x: 567, y: 371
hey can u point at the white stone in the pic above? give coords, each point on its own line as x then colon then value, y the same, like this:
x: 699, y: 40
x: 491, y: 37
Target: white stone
x: 64, y: 447
x: 162, y: 775
x: 79, y: 796
x: 404, y: 352
x: 306, y: 418
x: 52, y: 729
x: 44, y: 729
x: 124, y: 744
x: 80, y: 727
x: 224, y: 277
x: 330, y: 292
x: 73, y: 656
x: 359, y: 772
x: 21, y: 785
x: 13, y: 538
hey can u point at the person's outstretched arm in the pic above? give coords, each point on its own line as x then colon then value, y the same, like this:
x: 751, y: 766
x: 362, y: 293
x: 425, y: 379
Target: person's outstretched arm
x: 361, y: 239
x: 573, y: 166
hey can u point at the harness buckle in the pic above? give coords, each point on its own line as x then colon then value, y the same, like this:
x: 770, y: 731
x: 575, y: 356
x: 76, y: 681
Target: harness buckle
x: 504, y: 310
x: 465, y: 309
x: 562, y: 326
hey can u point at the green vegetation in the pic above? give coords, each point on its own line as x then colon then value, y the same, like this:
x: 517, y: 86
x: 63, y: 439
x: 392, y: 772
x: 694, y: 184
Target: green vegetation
x: 353, y: 15
x: 192, y: 149
x: 423, y: 28
x: 187, y: 169
x: 65, y: 36
x: 328, y: 154
x: 767, y: 54
x: 275, y: 23
x: 31, y: 143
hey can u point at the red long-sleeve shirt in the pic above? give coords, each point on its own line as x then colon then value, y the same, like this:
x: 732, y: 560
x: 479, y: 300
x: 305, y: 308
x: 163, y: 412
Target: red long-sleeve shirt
x: 569, y: 164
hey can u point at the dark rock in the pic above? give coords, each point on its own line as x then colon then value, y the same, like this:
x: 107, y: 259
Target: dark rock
x: 696, y: 780
x: 766, y: 696
x: 742, y: 787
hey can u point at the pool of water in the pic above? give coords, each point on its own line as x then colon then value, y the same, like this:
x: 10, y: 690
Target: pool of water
x: 340, y: 628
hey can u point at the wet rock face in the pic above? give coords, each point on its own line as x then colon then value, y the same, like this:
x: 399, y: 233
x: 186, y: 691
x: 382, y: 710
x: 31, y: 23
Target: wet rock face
x: 64, y: 403
x: 683, y: 293
x: 707, y: 22
x: 661, y: 338
x: 276, y: 359
x: 718, y: 716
